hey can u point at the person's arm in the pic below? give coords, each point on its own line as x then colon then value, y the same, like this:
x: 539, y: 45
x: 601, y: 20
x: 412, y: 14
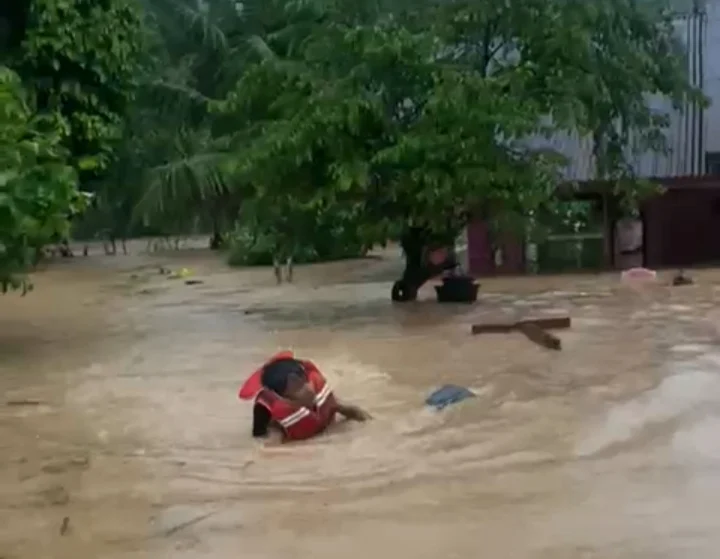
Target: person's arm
x: 353, y: 413
x: 261, y: 421
x: 264, y: 427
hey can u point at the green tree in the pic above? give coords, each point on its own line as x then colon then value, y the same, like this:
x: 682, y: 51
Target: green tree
x: 200, y: 50
x: 81, y: 58
x: 421, y: 116
x: 171, y: 169
x: 38, y: 190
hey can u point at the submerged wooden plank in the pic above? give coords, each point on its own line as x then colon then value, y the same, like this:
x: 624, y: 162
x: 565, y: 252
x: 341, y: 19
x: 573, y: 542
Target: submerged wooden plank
x: 503, y: 327
x: 548, y: 323
x: 541, y: 337
x: 494, y: 328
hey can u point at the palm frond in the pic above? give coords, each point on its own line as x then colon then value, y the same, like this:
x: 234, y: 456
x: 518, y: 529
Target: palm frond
x: 184, y: 90
x: 260, y: 46
x: 183, y: 183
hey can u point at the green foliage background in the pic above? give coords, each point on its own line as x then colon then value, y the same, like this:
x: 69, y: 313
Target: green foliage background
x: 37, y: 185
x: 321, y: 127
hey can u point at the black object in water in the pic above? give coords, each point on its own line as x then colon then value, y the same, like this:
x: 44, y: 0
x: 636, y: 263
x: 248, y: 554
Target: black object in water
x: 447, y: 395
x: 457, y: 289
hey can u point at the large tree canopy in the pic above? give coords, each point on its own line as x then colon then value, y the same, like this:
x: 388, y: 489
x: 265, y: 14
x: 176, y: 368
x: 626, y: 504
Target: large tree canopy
x: 82, y: 58
x: 384, y: 119
x: 70, y: 75
x: 421, y: 115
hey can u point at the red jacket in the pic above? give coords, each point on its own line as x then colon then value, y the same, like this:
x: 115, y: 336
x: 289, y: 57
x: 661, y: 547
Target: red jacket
x: 297, y: 422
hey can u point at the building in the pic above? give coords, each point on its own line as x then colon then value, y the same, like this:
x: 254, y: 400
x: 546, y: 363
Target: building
x: 676, y: 229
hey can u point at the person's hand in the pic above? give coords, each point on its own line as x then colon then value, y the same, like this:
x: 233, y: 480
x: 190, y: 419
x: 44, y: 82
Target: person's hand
x: 354, y: 413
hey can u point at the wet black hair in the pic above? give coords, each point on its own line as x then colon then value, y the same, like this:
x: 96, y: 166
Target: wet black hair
x: 275, y: 375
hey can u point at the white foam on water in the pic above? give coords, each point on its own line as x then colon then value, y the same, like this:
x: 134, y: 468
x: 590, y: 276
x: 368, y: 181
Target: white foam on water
x: 484, y: 390
x: 362, y: 383
x: 591, y: 322
x: 523, y: 303
x: 564, y: 294
x: 694, y: 385
x: 699, y: 441
x: 690, y: 348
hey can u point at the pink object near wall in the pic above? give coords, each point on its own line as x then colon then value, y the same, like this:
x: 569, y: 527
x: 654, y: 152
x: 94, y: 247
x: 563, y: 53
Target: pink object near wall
x: 638, y: 275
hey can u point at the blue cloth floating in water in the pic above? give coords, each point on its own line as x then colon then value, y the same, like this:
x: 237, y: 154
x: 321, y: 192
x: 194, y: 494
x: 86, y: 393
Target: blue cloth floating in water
x: 447, y: 395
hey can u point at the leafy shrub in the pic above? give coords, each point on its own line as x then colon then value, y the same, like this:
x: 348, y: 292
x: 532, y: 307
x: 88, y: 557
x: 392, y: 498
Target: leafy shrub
x: 252, y: 246
x: 38, y: 188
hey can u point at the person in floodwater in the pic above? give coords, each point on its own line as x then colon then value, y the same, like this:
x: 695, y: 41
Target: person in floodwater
x: 292, y: 396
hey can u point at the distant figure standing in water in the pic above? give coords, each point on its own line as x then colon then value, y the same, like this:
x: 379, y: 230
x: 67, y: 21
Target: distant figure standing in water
x: 293, y: 398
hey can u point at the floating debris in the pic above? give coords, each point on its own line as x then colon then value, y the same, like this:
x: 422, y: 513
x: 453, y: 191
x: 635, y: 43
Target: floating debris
x: 448, y: 395
x: 65, y: 526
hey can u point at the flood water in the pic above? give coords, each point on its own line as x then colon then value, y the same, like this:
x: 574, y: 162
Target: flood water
x: 121, y: 435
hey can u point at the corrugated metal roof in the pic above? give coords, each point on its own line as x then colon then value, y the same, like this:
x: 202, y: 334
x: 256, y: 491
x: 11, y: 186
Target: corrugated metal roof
x: 688, y: 130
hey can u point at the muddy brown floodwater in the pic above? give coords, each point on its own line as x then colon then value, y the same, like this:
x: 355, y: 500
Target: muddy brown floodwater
x: 122, y: 437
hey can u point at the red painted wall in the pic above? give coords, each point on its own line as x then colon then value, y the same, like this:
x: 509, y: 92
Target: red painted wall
x: 682, y: 228
x: 481, y: 260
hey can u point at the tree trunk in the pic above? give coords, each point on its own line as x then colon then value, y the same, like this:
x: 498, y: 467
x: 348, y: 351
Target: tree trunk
x: 216, y: 241
x: 415, y: 244
x: 64, y: 248
x: 415, y: 274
